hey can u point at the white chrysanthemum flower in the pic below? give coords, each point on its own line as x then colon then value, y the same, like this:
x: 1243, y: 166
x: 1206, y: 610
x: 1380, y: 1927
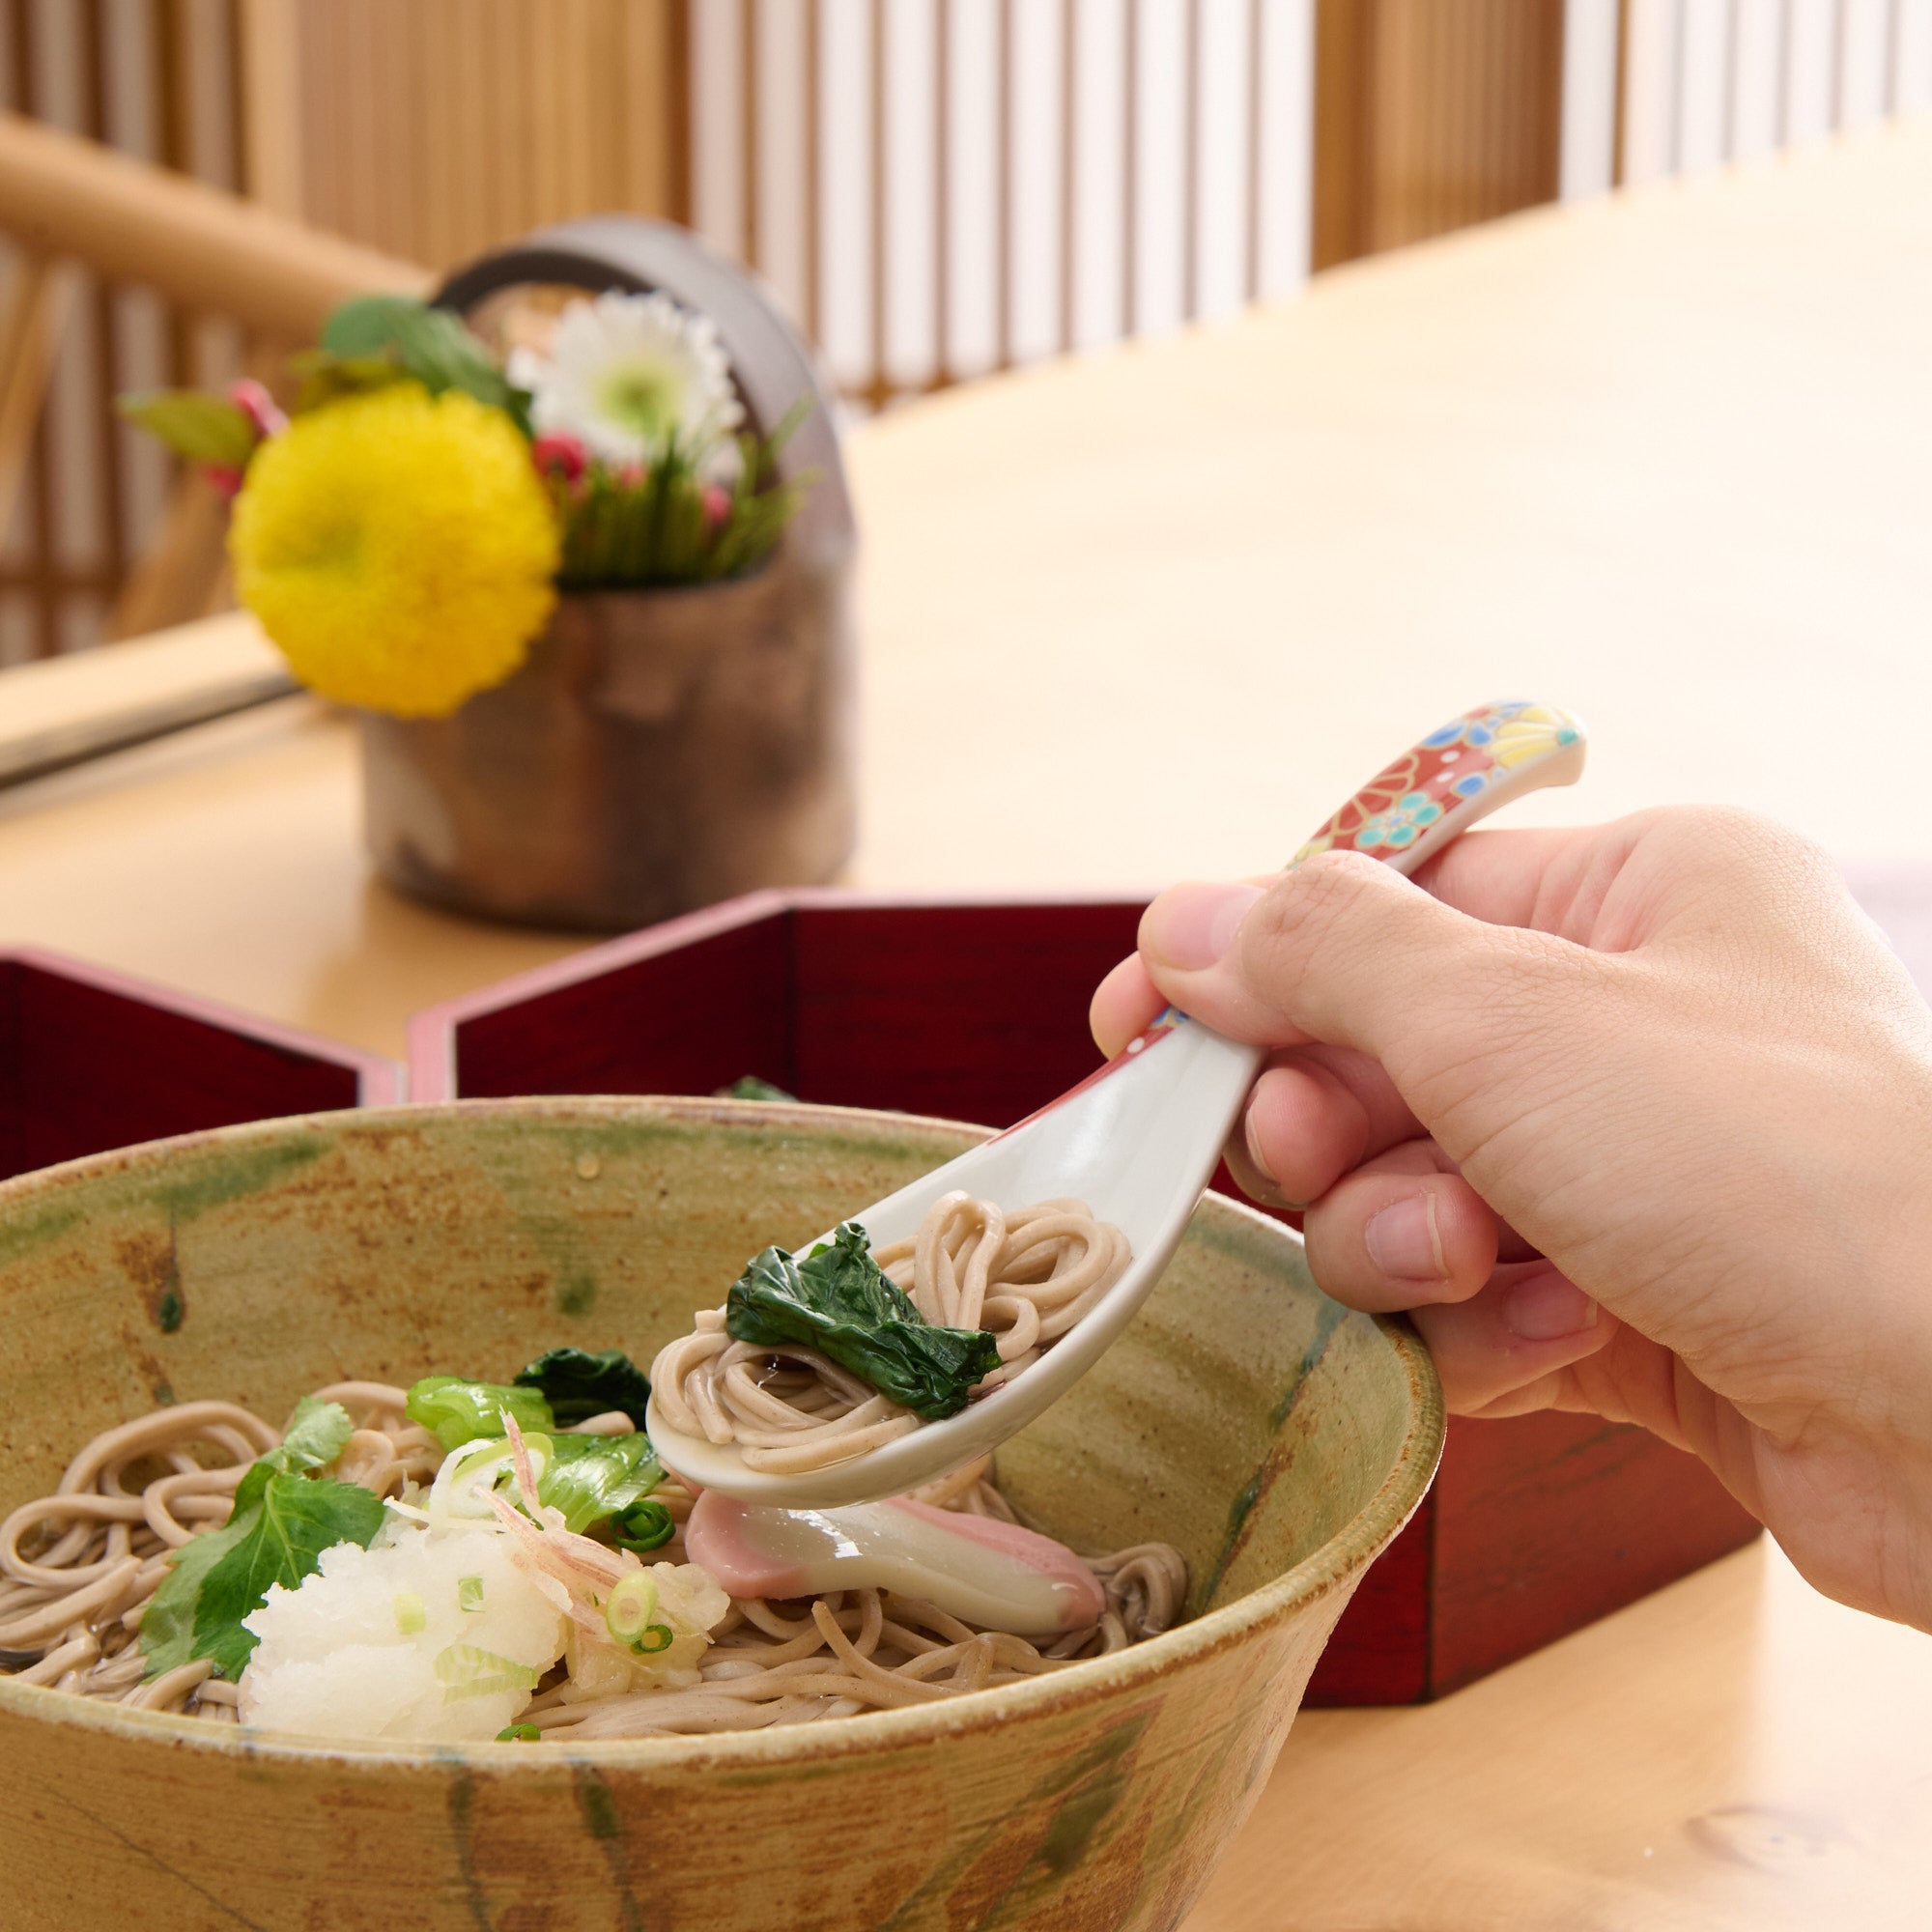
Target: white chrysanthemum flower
x: 629, y: 374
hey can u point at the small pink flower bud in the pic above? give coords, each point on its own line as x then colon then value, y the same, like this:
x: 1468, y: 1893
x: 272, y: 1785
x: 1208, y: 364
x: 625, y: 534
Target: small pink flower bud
x: 630, y: 475
x: 558, y: 455
x: 259, y: 407
x: 717, y: 504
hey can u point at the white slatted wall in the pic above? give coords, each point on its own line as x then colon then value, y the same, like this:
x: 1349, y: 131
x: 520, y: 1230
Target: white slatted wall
x: 1708, y: 82
x: 942, y: 188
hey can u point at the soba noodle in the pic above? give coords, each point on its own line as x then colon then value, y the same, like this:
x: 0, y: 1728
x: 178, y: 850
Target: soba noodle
x: 79, y: 1567
x: 1025, y: 1277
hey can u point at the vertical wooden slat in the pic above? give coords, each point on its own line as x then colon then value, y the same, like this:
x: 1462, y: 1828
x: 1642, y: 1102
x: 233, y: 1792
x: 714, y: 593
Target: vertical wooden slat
x: 814, y: 173
x: 1005, y: 66
x: 748, y: 118
x: 1130, y: 180
x: 105, y: 437
x: 1250, y: 233
x: 942, y: 195
x: 1733, y: 31
x: 36, y: 473
x: 1786, y: 30
x: 1841, y: 28
x: 271, y: 108
x: 1070, y: 162
x: 879, y: 388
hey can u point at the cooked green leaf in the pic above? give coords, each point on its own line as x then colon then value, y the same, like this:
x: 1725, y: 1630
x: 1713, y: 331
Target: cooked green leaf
x: 456, y: 1412
x: 205, y: 429
x: 593, y: 1478
x: 840, y: 1301
x: 579, y: 1383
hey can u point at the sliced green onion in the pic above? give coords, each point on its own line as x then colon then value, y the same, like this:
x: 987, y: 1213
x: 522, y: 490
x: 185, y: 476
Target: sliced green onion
x: 469, y: 1593
x: 467, y: 1670
x: 656, y: 1637
x: 411, y: 1615
x: 629, y: 1608
x: 518, y: 1734
x: 643, y: 1527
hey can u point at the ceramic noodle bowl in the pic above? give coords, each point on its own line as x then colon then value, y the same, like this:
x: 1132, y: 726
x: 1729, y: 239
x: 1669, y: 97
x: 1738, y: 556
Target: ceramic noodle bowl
x: 1279, y: 1441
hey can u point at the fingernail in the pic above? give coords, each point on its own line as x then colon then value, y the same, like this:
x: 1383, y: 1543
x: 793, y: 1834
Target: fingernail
x: 1545, y: 1308
x: 1192, y: 926
x: 1403, y: 1241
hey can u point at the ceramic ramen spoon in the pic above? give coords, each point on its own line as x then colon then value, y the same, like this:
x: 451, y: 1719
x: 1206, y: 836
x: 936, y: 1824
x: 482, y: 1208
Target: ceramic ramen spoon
x: 1139, y: 1140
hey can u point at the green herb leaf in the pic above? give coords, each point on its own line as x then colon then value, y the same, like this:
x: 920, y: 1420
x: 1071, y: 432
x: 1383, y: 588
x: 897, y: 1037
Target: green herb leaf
x: 579, y: 1383
x: 225, y: 1575
x: 430, y: 344
x: 317, y: 1434
x: 838, y: 1301
x: 167, y: 1630
x: 297, y: 1520
x: 456, y: 1412
x: 205, y: 429
x: 593, y: 1478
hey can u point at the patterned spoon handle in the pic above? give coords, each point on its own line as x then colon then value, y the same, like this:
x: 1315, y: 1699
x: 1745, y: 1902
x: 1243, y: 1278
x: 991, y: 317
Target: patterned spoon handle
x: 1410, y: 809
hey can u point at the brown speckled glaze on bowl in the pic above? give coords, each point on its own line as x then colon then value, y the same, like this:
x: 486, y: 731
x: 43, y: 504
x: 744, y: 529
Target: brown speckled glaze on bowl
x: 1278, y: 1440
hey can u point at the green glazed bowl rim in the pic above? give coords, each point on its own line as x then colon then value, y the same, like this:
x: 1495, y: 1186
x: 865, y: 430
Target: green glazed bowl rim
x: 1085, y: 1683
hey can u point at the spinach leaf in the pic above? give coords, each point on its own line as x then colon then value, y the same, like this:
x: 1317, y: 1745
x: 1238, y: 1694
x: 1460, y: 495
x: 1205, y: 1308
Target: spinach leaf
x: 579, y: 1383
x: 456, y: 1412
x: 222, y: 1577
x: 592, y: 1478
x: 838, y: 1301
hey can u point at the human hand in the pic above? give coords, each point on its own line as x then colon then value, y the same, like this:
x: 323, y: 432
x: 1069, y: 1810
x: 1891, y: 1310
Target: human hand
x: 1634, y: 1119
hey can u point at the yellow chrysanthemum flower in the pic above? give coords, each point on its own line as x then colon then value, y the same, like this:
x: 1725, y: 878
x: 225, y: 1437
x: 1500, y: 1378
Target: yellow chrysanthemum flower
x: 398, y: 548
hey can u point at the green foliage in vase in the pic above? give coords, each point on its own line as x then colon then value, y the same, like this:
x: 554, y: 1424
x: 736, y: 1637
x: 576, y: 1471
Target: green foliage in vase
x: 663, y: 524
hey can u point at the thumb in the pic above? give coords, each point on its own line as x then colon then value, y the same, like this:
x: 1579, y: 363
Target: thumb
x: 1346, y: 952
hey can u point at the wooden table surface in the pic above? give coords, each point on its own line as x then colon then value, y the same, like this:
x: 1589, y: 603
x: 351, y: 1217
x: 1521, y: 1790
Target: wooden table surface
x: 1663, y: 459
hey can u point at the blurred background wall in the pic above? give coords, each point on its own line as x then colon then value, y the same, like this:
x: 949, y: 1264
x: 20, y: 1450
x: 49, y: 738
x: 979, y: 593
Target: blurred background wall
x: 937, y: 189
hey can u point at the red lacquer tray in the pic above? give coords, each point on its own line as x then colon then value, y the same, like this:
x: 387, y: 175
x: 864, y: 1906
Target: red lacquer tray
x: 978, y: 1012
x: 92, y: 1059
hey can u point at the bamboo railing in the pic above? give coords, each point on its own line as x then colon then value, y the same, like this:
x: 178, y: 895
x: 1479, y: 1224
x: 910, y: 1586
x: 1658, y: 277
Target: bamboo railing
x: 74, y: 213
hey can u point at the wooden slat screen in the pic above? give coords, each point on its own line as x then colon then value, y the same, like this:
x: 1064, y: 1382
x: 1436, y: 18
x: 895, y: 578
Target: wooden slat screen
x: 1710, y: 82
x: 937, y: 189
x: 156, y: 78
x: 1432, y: 115
x: 940, y: 189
